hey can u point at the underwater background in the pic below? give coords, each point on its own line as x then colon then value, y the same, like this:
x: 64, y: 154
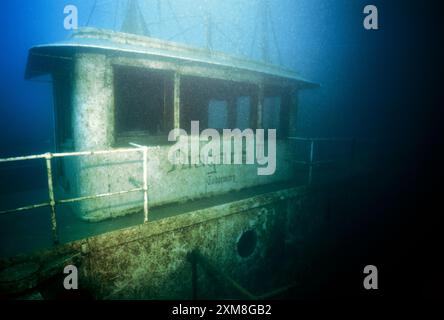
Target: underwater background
x: 378, y: 85
x: 366, y: 77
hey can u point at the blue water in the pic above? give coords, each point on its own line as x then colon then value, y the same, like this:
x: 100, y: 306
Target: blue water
x: 374, y: 84
x: 323, y: 40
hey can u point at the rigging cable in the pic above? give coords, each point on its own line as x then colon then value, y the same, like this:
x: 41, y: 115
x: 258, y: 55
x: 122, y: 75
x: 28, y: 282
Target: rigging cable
x: 175, y: 18
x: 236, y: 45
x: 256, y: 20
x: 184, y: 31
x: 146, y: 31
x: 276, y: 44
x: 91, y: 13
x: 115, y: 15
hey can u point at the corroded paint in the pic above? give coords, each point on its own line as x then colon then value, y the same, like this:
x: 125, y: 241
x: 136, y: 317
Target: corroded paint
x: 195, y: 60
x: 150, y: 261
x: 93, y: 122
x: 167, y: 183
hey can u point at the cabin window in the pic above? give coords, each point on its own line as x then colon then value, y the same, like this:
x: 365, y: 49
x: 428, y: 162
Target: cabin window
x: 143, y: 102
x: 275, y: 110
x: 216, y: 104
x: 218, y: 114
x: 243, y: 112
x: 272, y: 112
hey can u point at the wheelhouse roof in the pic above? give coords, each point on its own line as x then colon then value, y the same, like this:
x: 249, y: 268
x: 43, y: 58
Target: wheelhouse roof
x: 44, y: 59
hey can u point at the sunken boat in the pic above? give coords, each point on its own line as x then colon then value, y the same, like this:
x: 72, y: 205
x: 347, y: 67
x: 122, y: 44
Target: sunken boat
x: 195, y: 231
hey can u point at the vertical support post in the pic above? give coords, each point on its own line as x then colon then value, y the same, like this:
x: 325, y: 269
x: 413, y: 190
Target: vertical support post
x: 145, y: 184
x: 293, y: 112
x: 176, y: 100
x: 165, y: 124
x: 260, y: 103
x: 310, y: 164
x: 55, y: 236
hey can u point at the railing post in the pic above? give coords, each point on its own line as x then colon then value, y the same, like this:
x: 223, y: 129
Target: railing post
x: 176, y: 100
x: 52, y: 203
x: 145, y: 184
x: 260, y: 107
x: 310, y: 164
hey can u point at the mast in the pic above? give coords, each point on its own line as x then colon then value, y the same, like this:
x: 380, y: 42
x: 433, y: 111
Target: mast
x: 208, y: 30
x: 264, y: 30
x: 134, y: 22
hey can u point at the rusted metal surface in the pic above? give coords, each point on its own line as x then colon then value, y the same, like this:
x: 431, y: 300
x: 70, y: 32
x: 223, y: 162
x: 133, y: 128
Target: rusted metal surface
x: 196, y: 257
x: 93, y: 55
x: 26, y: 272
x: 148, y: 261
x: 215, y: 272
x: 167, y: 183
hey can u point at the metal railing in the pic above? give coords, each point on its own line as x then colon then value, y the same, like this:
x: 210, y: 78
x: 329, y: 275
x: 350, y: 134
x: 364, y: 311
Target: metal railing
x: 311, y: 163
x: 53, y: 202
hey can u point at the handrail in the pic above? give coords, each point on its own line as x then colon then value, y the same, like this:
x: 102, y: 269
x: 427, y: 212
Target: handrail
x: 52, y: 203
x: 71, y: 154
x: 310, y: 163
